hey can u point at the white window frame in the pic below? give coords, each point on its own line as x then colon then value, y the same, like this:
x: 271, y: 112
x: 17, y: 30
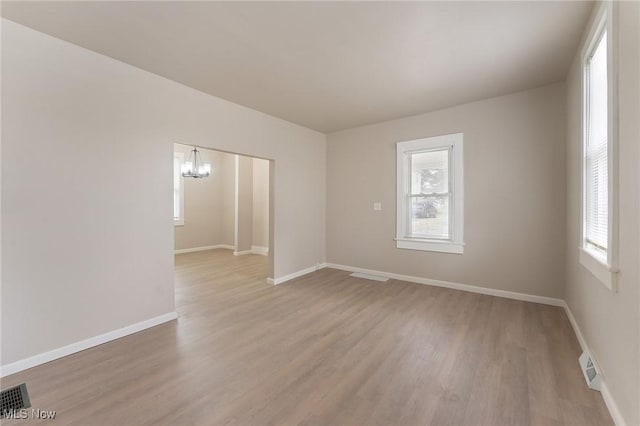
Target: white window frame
x: 604, y: 269
x: 180, y: 220
x: 404, y: 149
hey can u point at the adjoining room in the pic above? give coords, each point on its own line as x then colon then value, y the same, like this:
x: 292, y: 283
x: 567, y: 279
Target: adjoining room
x: 225, y: 205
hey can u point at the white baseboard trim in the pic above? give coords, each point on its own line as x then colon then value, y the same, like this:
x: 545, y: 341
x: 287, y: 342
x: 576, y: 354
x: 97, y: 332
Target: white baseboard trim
x: 616, y: 415
x: 45, y: 357
x: 194, y: 249
x: 576, y: 330
x: 293, y: 275
x: 456, y: 286
x: 296, y: 274
x: 261, y: 250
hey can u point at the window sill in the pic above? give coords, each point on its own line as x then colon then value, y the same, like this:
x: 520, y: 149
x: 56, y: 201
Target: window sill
x: 178, y: 223
x: 598, y: 267
x: 429, y: 245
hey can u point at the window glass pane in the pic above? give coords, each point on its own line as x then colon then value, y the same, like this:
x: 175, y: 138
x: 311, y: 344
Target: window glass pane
x: 430, y: 217
x: 597, y: 173
x: 430, y: 185
x: 430, y: 172
x: 598, y: 95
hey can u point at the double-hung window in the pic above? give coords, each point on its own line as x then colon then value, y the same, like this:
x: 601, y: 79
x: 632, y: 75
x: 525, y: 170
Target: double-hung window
x: 178, y: 189
x: 598, y: 166
x: 430, y: 194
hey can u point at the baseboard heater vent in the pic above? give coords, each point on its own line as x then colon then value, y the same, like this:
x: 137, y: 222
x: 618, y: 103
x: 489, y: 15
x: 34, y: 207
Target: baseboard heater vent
x: 14, y: 399
x: 589, y: 371
x: 369, y: 277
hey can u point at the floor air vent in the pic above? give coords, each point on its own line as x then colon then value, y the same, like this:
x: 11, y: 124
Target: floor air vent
x: 589, y: 371
x: 14, y: 398
x: 369, y: 277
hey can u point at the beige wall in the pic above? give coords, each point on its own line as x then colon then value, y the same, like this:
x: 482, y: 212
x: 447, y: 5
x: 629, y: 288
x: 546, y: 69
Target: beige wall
x: 260, y: 226
x: 610, y: 322
x: 514, y: 156
x: 204, y: 215
x: 87, y: 241
x: 228, y: 176
x: 244, y: 203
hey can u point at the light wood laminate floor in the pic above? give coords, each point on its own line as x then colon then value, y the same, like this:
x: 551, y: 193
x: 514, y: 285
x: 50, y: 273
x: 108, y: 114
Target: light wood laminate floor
x: 324, y: 349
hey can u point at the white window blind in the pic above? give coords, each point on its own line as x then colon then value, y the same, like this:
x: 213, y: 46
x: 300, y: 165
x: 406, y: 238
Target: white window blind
x: 596, y: 227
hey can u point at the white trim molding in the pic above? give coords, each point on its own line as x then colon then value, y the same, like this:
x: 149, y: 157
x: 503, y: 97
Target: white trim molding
x: 427, y: 281
x: 606, y: 274
x: 45, y: 357
x: 429, y: 245
x: 456, y: 286
x: 603, y: 266
x: 616, y: 415
x: 576, y: 330
x: 261, y: 250
x: 204, y: 248
x: 294, y: 275
x: 406, y: 237
x: 280, y: 280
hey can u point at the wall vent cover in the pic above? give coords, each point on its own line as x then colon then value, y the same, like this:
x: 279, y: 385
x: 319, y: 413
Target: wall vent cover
x: 589, y: 371
x: 369, y: 277
x: 14, y: 398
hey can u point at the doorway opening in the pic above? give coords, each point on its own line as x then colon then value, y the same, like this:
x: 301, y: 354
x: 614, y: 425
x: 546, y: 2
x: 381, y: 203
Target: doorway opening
x: 230, y: 209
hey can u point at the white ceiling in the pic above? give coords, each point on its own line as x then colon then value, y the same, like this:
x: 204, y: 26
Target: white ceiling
x: 329, y: 65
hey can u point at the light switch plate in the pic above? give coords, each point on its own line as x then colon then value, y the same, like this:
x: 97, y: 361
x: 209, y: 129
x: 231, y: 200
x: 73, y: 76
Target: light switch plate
x: 377, y: 206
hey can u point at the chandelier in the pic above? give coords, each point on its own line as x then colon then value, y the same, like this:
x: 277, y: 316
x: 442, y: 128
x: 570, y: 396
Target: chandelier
x: 194, y: 167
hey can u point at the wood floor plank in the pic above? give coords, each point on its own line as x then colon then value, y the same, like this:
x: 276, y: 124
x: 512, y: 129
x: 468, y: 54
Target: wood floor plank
x: 324, y: 349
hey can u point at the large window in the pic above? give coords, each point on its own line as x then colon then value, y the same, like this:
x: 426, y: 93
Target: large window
x: 596, y: 231
x: 598, y: 167
x: 178, y: 189
x: 430, y: 194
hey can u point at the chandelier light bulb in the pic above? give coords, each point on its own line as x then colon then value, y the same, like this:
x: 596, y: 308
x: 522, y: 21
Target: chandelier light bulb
x: 194, y: 167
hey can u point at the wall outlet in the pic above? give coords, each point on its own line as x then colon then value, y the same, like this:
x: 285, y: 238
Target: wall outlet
x: 377, y: 206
